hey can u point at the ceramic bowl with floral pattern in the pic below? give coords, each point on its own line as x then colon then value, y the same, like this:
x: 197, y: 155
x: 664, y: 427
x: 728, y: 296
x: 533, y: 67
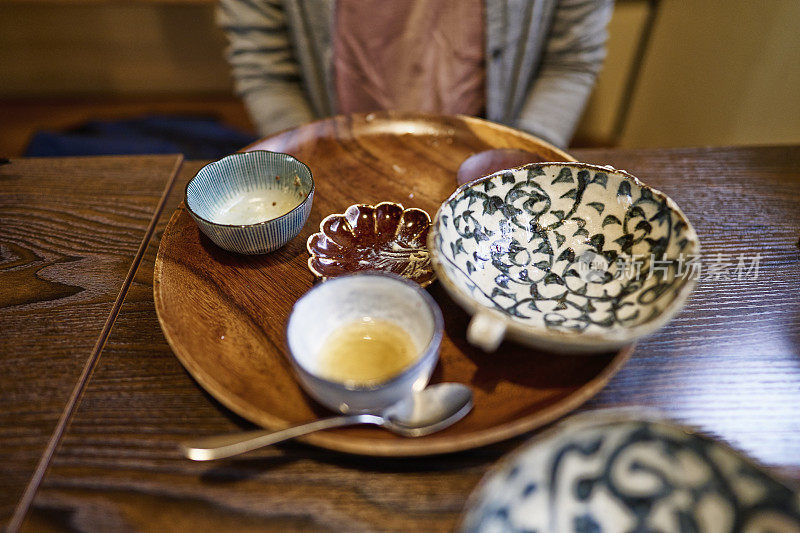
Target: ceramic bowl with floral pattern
x: 621, y: 470
x: 384, y: 238
x: 566, y: 257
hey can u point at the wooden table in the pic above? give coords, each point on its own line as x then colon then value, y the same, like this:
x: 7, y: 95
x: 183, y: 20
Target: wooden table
x: 90, y: 390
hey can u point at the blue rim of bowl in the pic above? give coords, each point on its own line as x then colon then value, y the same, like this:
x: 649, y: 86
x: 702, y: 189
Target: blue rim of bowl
x: 238, y: 154
x: 434, y: 344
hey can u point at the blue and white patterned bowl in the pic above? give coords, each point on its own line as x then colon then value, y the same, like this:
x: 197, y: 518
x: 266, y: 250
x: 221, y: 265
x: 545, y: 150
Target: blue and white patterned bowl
x: 218, y: 183
x: 565, y: 257
x: 623, y: 470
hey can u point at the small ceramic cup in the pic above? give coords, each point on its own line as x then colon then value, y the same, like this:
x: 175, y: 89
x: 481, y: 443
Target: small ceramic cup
x: 222, y: 182
x: 343, y: 300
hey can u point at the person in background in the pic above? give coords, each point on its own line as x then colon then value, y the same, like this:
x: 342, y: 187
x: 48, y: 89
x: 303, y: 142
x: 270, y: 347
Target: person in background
x: 530, y: 64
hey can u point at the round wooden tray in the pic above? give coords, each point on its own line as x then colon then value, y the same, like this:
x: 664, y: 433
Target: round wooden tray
x: 224, y: 315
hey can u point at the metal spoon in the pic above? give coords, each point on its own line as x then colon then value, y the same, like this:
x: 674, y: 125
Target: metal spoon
x: 422, y: 413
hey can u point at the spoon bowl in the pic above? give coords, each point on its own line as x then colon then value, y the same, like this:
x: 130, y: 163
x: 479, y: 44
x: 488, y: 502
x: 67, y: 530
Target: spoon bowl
x: 421, y: 413
x: 431, y: 410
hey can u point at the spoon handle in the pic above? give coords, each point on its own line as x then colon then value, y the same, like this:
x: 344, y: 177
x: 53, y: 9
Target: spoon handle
x: 221, y: 446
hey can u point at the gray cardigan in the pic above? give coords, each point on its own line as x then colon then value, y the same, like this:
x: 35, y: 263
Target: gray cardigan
x: 542, y: 57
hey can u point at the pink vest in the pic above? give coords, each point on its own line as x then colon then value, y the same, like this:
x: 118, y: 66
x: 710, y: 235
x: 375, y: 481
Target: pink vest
x: 409, y: 55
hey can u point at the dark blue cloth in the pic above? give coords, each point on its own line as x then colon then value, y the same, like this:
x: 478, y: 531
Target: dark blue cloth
x: 194, y: 137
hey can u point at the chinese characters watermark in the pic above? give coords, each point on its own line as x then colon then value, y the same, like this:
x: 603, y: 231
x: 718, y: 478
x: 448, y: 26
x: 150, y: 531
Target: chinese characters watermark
x: 593, y: 267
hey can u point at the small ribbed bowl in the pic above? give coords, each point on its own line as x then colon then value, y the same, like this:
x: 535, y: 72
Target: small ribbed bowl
x: 218, y: 183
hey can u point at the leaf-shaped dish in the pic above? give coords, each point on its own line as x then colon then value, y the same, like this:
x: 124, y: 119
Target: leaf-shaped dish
x: 384, y: 237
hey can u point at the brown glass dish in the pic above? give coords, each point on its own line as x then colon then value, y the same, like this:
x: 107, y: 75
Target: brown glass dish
x: 383, y: 237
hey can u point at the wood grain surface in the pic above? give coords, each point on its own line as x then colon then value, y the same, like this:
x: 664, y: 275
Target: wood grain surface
x: 728, y: 364
x: 69, y: 232
x: 225, y: 314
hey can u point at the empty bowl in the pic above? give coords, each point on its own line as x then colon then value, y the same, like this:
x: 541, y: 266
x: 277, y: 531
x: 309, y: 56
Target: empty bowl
x: 251, y: 202
x: 383, y: 237
x: 565, y: 257
x: 368, y: 301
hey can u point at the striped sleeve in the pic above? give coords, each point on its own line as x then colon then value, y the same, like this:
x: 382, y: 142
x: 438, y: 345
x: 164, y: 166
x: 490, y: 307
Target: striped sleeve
x: 573, y: 56
x: 265, y: 70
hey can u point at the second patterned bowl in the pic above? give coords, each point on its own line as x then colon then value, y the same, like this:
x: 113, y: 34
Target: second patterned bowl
x: 629, y: 470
